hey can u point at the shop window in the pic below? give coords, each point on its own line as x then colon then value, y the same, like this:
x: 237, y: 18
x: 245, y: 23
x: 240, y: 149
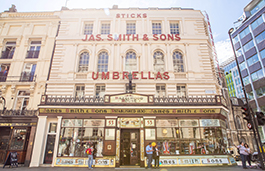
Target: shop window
x: 160, y: 90
x: 83, y: 62
x: 88, y: 28
x: 100, y: 91
x: 79, y: 91
x: 22, y: 101
x: 130, y: 61
x: 105, y: 28
x: 34, y: 49
x: 9, y: 50
x: 159, y: 62
x: 74, y: 140
x: 174, y: 28
x: 130, y: 28
x: 18, y: 139
x: 156, y: 28
x: 181, y: 91
x: 28, y: 72
x: 103, y: 60
x: 178, y: 63
x: 4, y: 69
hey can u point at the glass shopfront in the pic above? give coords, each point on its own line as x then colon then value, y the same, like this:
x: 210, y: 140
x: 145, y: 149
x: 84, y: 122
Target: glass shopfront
x: 77, y: 134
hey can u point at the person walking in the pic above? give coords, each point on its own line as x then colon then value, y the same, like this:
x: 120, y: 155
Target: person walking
x: 156, y: 156
x: 149, y: 151
x: 248, y: 158
x: 89, y: 151
x: 243, y: 153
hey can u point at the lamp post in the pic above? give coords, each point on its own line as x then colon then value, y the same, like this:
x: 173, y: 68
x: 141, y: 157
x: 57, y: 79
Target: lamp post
x: 4, y: 104
x: 130, y: 82
x: 252, y: 115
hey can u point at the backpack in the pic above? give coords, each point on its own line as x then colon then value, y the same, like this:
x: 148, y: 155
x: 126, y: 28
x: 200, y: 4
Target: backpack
x: 88, y: 151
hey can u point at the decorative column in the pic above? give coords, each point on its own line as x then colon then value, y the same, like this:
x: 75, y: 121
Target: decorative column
x: 38, y: 148
x: 57, y: 138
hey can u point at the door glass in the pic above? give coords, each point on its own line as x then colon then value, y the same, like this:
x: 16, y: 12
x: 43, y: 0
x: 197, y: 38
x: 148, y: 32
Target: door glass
x: 49, y: 149
x: 18, y: 139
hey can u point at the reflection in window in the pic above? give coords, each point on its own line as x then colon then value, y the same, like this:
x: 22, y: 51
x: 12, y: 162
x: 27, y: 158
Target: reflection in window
x: 257, y: 7
x: 83, y: 62
x: 130, y: 61
x: 178, y: 63
x: 22, y: 101
x: 181, y: 91
x: 252, y: 60
x: 243, y: 33
x: 262, y: 54
x: 256, y: 23
x: 261, y: 91
x: 248, y: 46
x: 74, y: 141
x: 159, y: 63
x: 260, y: 37
x: 246, y: 80
x: 242, y: 66
x: 257, y: 75
x: 18, y: 139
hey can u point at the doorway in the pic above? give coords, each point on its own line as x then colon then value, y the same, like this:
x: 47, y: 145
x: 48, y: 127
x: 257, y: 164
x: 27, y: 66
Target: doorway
x: 130, y: 147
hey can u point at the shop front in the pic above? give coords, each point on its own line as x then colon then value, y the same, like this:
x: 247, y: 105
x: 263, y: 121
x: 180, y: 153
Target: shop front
x: 194, y: 135
x: 17, y: 135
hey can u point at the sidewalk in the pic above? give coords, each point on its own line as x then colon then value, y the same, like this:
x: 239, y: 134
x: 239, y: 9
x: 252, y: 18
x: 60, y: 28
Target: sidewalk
x: 214, y: 168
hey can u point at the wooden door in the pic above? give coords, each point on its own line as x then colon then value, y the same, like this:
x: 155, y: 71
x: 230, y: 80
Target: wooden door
x: 130, y: 147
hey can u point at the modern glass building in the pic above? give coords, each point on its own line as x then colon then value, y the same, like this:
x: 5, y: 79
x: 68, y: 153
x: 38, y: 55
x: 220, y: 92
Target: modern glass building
x: 249, y: 44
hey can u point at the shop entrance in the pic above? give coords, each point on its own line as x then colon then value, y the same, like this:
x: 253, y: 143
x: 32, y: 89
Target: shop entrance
x: 130, y: 147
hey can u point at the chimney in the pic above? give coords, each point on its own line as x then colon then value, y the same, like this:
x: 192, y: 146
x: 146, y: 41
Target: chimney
x: 12, y: 9
x: 115, y: 7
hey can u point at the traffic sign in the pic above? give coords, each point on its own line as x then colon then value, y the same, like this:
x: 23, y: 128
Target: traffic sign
x: 249, y: 126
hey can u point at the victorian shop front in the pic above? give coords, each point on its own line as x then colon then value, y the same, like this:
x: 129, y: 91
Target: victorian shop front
x: 188, y: 131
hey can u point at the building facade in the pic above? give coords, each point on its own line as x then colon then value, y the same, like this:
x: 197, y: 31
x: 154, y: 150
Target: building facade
x: 122, y: 78
x: 26, y: 43
x: 248, y: 42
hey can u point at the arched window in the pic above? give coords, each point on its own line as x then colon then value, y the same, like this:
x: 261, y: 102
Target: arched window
x: 159, y: 62
x: 238, y: 123
x: 83, y: 62
x: 103, y: 60
x: 130, y: 61
x: 178, y: 62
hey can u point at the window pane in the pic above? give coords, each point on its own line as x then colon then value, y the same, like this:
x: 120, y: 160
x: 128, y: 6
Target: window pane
x: 248, y: 46
x: 262, y: 54
x: 156, y: 28
x: 88, y: 29
x: 72, y: 122
x: 130, y: 28
x: 103, y: 62
x: 18, y: 139
x: 159, y: 62
x: 53, y: 128
x: 178, y: 62
x: 256, y: 23
x: 150, y: 134
x: 174, y: 28
x: 252, y: 60
x: 260, y: 37
x: 130, y: 61
x: 83, y: 62
x: 244, y: 33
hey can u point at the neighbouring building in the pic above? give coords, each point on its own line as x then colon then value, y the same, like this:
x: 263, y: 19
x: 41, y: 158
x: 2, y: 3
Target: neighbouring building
x: 26, y: 43
x: 122, y: 78
x: 249, y: 44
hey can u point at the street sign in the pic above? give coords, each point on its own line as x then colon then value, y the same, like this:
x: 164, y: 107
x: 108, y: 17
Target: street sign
x: 249, y: 126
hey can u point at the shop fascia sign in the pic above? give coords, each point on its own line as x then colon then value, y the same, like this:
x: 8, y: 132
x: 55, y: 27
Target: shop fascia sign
x: 135, y: 75
x: 132, y: 37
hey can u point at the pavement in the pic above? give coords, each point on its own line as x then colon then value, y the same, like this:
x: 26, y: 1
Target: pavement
x: 194, y: 168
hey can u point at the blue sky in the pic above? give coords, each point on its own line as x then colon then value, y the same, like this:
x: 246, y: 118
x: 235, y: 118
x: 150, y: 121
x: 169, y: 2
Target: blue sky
x: 222, y: 13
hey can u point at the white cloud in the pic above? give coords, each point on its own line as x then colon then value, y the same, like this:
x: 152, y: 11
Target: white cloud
x: 224, y: 50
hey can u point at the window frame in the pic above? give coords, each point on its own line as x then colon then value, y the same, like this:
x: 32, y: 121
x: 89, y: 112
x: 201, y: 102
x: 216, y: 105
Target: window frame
x: 105, y: 28
x: 156, y: 27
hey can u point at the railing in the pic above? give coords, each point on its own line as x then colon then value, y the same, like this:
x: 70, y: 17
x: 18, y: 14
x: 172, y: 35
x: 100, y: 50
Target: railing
x: 7, y: 54
x: 158, y: 101
x: 32, y: 54
x: 19, y: 113
x: 25, y: 77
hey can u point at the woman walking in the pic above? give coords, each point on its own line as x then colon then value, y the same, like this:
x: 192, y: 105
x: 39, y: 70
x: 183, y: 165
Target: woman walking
x: 248, y: 158
x: 243, y: 154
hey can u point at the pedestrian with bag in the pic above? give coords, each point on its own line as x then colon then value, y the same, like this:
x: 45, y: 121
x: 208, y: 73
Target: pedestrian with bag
x: 156, y: 155
x: 243, y: 153
x: 89, y: 152
x: 249, y: 155
x: 149, y: 151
